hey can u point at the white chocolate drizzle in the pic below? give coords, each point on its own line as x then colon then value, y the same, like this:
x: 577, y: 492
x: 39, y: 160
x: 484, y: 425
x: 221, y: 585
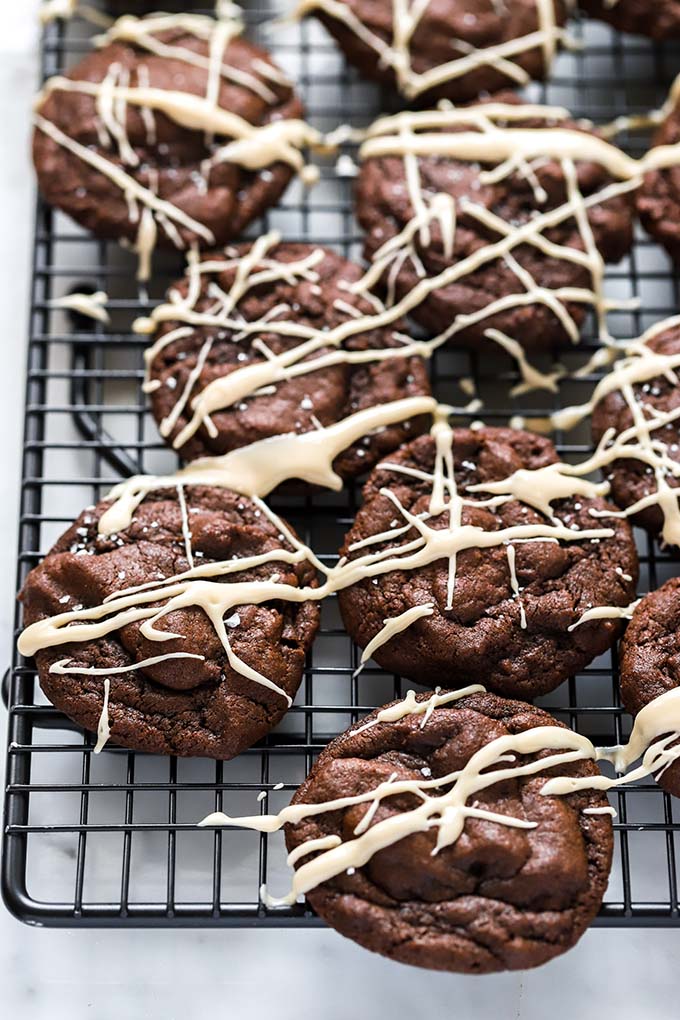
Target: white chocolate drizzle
x: 133, y: 190
x: 607, y: 613
x: 407, y: 16
x: 92, y: 306
x: 259, y: 266
x: 392, y: 626
x: 195, y: 587
x: 103, y: 727
x: 444, y: 802
x: 531, y: 377
x: 253, y: 147
x: 411, y: 706
x: 64, y: 667
x: 218, y: 33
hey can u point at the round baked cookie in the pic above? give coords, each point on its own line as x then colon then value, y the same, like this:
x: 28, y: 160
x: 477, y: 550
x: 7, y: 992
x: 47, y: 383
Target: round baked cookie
x: 632, y: 479
x: 498, y: 898
x: 480, y: 297
x: 650, y: 659
x: 658, y: 200
x: 197, y: 700
x: 300, y: 288
x: 660, y: 20
x: 132, y: 142
x: 440, y: 59
x: 515, y: 640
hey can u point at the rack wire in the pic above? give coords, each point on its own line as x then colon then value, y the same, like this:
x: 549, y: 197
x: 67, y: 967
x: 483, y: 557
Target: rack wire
x: 111, y: 840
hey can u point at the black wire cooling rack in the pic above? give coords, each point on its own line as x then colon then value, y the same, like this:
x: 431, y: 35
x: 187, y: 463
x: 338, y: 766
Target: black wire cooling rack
x: 112, y: 840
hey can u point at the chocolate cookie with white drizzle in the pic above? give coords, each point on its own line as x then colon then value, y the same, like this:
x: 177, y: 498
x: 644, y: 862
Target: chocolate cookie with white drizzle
x: 660, y: 20
x: 636, y: 418
x: 174, y: 132
x: 183, y: 633
x: 650, y: 663
x: 268, y: 338
x: 503, y: 213
x: 422, y: 834
x: 488, y: 564
x: 344, y: 856
x: 635, y: 414
x: 444, y: 49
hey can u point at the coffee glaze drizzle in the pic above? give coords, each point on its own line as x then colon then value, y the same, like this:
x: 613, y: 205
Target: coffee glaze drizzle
x: 407, y: 16
x: 251, y: 147
x: 445, y: 803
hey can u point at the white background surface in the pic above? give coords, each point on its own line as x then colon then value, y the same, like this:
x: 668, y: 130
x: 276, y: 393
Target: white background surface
x: 146, y: 974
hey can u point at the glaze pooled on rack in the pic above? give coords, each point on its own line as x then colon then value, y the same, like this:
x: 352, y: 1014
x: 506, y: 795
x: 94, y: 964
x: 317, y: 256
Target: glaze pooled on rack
x: 174, y: 132
x: 254, y: 343
x: 433, y: 49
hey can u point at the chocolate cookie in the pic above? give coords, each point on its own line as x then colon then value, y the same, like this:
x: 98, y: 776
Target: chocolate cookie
x: 221, y: 682
x: 446, y: 49
x: 650, y: 659
x: 484, y: 586
x: 658, y: 200
x: 300, y: 296
x: 660, y: 20
x: 175, y: 132
x: 644, y: 387
x: 484, y: 235
x: 492, y: 898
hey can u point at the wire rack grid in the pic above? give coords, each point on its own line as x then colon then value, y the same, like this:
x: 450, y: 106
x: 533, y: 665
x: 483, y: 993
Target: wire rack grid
x: 112, y: 839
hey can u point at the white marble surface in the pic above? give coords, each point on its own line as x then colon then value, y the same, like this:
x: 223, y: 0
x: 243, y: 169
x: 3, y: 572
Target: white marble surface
x: 146, y: 974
